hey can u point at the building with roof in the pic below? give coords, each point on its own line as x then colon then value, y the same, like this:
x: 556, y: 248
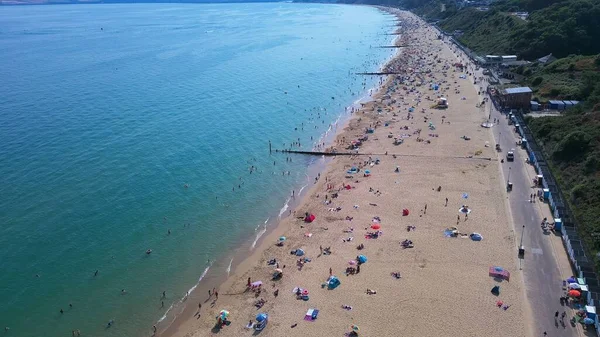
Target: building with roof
x: 516, y: 98
x: 547, y: 59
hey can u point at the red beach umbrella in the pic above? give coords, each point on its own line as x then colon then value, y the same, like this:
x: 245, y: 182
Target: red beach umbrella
x: 376, y: 226
x: 574, y: 293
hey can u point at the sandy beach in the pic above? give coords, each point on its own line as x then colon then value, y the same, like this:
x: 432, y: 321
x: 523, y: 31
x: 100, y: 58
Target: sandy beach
x: 441, y: 287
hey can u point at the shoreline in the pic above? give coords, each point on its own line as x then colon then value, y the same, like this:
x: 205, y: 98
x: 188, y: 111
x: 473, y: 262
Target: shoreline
x: 250, y: 250
x: 250, y: 266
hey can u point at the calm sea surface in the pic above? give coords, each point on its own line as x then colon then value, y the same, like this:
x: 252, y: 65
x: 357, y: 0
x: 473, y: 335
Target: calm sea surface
x: 108, y: 112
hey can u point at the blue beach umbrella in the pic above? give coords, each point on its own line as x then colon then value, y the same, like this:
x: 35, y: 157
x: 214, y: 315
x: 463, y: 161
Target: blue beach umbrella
x: 261, y: 317
x: 465, y: 196
x: 282, y: 238
x: 367, y: 172
x: 362, y: 258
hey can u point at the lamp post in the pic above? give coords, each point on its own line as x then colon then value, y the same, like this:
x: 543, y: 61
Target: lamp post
x: 522, y: 235
x: 521, y: 253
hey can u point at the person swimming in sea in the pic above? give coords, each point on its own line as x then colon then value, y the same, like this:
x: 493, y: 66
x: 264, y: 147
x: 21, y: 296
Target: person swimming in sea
x: 148, y: 252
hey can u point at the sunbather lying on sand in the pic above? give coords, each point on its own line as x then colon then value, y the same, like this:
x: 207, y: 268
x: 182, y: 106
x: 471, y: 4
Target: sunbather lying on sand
x: 259, y: 304
x: 371, y: 291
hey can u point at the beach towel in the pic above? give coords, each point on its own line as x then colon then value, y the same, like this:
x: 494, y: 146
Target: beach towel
x: 311, y: 315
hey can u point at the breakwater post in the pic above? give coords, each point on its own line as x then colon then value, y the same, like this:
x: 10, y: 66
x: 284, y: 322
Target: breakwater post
x: 270, y: 150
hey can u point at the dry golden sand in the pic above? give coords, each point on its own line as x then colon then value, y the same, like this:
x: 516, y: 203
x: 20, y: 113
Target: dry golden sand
x: 445, y: 287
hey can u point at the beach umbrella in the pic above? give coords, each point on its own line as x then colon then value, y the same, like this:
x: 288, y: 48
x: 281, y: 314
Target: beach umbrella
x: 376, y: 226
x: 282, y: 238
x: 305, y: 292
x: 352, y: 262
x: 355, y: 328
x: 588, y: 321
x: 362, y: 258
x: 465, y: 196
x: 367, y: 172
x: 299, y: 252
x: 574, y: 293
x: 224, y: 314
x: 261, y: 317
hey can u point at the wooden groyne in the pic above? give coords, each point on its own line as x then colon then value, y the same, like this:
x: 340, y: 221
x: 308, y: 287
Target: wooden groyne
x: 318, y: 153
x: 380, y: 74
x: 332, y: 154
x: 402, y: 46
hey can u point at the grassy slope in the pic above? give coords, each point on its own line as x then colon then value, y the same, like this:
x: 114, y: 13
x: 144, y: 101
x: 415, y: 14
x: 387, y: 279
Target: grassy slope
x: 484, y: 32
x: 571, y: 142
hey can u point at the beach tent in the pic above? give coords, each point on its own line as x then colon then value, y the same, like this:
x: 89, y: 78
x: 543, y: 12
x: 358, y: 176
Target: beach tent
x: 405, y: 212
x: 299, y: 252
x: 261, y: 321
x: 309, y: 218
x: 362, y: 259
x: 496, y: 290
x: 574, y: 286
x: 500, y: 273
x: 476, y: 237
x: 311, y: 315
x: 333, y: 282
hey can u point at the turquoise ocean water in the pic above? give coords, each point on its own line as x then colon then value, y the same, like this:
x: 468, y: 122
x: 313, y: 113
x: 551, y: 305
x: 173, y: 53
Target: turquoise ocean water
x: 108, y: 111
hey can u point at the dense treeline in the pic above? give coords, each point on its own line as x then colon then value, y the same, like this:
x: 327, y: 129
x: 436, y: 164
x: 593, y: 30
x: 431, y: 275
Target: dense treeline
x: 563, y: 28
x: 560, y: 27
